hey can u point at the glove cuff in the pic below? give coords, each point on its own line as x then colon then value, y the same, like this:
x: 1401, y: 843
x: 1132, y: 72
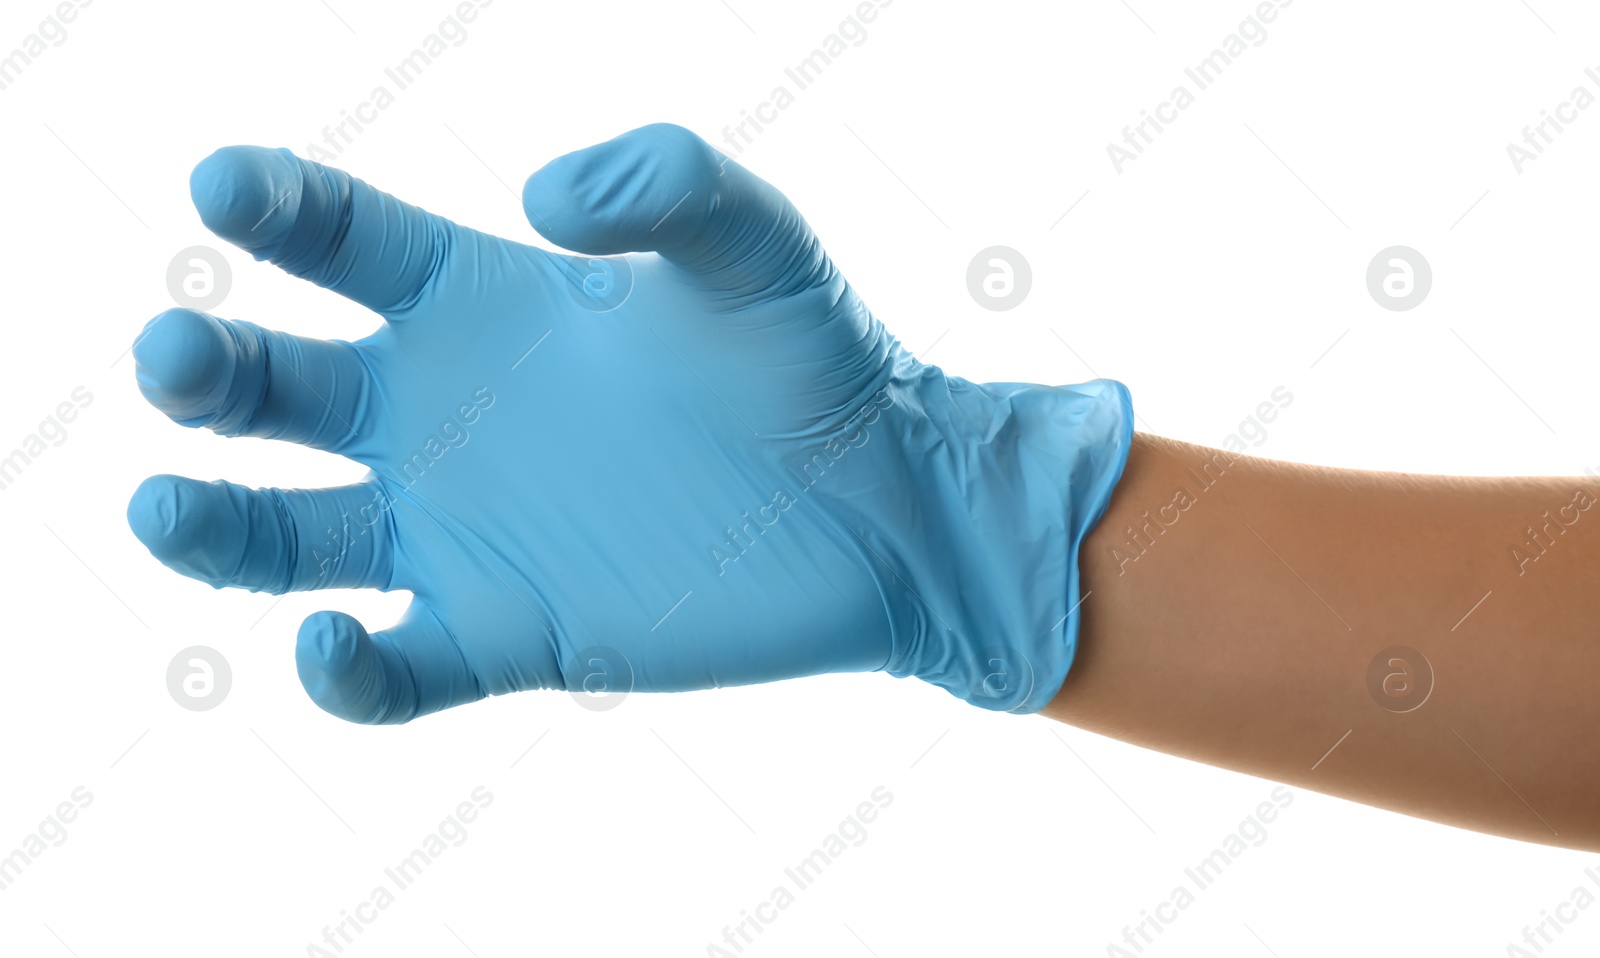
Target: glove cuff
x: 999, y: 601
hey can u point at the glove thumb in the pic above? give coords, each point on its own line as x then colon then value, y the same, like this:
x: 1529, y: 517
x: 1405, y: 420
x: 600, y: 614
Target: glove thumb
x: 662, y: 188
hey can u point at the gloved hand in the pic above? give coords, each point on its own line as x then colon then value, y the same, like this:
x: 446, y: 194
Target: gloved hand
x: 702, y: 464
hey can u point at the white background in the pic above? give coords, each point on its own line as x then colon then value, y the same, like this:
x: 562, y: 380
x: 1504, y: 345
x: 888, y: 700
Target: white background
x: 1223, y: 263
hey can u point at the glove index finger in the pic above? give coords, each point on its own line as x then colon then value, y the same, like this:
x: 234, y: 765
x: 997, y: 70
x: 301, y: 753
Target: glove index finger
x: 321, y: 224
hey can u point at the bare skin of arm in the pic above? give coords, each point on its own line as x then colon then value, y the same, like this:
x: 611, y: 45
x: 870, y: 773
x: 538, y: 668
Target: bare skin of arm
x: 1237, y: 622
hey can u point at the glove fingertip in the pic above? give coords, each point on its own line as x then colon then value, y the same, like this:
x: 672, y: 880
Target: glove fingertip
x: 248, y: 195
x: 332, y: 656
x: 631, y: 193
x: 189, y: 526
x: 153, y: 512
x: 180, y: 360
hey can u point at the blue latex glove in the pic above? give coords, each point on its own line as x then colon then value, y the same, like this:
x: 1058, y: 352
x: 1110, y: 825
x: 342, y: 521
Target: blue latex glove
x: 699, y: 465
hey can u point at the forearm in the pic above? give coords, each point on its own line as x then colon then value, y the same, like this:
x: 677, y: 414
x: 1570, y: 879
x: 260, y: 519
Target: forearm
x: 1237, y: 626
